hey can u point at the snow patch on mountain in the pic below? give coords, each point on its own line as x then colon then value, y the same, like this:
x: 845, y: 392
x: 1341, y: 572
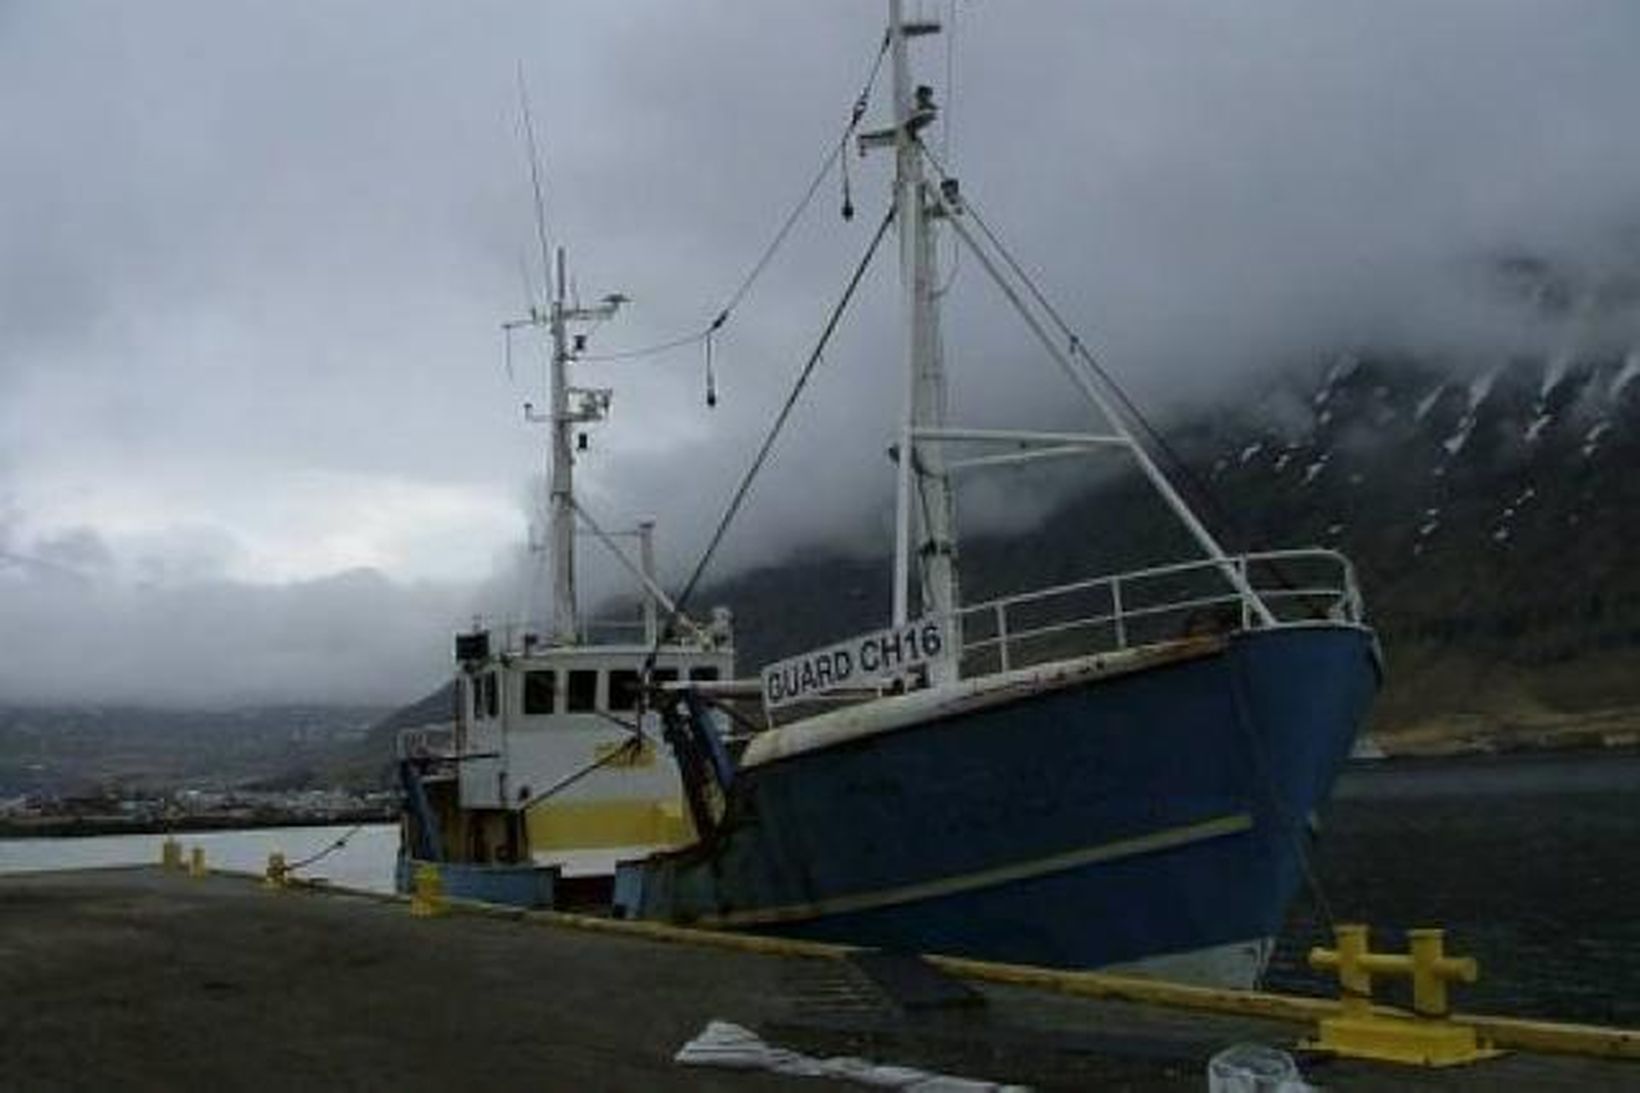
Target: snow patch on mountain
x: 1343, y: 368
x: 1553, y: 374
x: 1538, y: 424
x: 1626, y: 374
x: 1428, y: 401
x: 1479, y: 388
x: 1591, y: 439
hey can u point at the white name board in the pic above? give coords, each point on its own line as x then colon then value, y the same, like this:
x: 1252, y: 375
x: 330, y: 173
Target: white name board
x: 864, y: 661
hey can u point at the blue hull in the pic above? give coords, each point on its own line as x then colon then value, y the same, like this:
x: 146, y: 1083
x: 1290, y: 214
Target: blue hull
x: 513, y: 885
x: 1106, y: 822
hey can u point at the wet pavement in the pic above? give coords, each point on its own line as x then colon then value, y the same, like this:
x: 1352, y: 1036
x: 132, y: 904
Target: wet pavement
x: 141, y: 979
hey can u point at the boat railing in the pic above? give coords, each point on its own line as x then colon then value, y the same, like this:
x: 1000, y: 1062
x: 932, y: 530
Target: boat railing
x: 527, y: 638
x: 1161, y: 603
x: 427, y: 742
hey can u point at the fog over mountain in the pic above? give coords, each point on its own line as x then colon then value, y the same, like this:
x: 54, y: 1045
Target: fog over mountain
x: 256, y: 437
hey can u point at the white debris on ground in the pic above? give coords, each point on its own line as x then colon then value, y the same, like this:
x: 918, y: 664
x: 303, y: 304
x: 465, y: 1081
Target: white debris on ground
x: 1255, y: 1068
x: 725, y: 1044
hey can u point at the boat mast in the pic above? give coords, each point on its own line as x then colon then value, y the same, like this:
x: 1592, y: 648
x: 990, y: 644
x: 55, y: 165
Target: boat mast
x: 561, y: 496
x: 569, y: 407
x: 923, y: 497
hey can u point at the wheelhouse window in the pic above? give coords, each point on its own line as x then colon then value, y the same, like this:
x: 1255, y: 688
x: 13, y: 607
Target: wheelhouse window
x: 492, y: 700
x: 706, y: 673
x: 581, y: 696
x: 540, y: 688
x: 664, y: 675
x: 625, y: 686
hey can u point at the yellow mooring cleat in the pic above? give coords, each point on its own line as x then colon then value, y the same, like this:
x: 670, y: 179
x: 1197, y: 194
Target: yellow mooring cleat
x: 1426, y: 1037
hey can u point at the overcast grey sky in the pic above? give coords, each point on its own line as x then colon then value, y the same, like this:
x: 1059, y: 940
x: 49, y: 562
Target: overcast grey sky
x: 256, y: 439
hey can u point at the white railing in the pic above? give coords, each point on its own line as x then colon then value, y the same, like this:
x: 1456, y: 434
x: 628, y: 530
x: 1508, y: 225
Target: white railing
x: 1162, y: 603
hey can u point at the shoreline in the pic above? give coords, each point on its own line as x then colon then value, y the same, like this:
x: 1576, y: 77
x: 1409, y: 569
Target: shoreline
x: 68, y: 827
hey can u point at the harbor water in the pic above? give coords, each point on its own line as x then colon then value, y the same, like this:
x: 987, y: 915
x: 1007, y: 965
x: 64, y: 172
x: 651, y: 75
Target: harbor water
x: 365, y: 860
x: 1527, y: 861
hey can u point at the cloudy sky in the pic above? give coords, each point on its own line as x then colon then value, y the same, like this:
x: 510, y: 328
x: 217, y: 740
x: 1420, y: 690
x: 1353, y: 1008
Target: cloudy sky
x: 257, y: 439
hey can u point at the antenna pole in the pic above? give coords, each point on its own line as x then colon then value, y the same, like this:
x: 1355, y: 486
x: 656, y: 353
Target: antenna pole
x: 565, y: 622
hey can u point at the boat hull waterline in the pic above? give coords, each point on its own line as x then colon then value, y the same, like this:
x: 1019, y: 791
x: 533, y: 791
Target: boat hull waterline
x: 1152, y: 819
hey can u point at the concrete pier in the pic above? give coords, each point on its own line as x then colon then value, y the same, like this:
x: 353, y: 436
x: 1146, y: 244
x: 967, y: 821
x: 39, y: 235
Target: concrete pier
x: 151, y: 979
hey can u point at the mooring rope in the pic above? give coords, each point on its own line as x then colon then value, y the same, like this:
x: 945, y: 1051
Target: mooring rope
x: 327, y: 851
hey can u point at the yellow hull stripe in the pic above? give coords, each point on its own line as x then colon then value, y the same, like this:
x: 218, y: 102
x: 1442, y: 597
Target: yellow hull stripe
x: 597, y: 825
x: 946, y: 886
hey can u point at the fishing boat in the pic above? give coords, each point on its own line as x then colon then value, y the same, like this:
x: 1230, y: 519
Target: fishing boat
x: 1118, y: 772
x: 546, y: 775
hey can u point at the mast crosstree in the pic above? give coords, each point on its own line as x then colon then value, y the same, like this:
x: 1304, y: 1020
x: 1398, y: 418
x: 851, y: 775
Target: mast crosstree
x: 568, y: 407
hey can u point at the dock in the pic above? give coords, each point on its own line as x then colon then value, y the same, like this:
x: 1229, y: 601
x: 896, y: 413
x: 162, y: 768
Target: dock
x: 142, y: 978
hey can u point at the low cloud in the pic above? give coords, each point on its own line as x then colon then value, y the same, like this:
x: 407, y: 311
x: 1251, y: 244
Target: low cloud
x: 254, y: 420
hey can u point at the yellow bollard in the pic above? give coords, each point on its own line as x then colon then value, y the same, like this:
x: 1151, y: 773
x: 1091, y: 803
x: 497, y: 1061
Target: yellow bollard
x: 278, y: 874
x: 428, y: 898
x: 170, y: 854
x: 196, y: 862
x: 1354, y: 980
x: 1432, y: 968
x: 1429, y: 1037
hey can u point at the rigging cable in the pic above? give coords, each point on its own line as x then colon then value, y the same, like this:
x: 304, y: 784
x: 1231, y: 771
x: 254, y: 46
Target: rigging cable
x: 1078, y: 348
x: 775, y: 429
x: 629, y: 749
x: 836, y: 151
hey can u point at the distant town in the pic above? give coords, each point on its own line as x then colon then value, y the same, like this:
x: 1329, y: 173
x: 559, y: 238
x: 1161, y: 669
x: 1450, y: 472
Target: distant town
x: 115, y: 813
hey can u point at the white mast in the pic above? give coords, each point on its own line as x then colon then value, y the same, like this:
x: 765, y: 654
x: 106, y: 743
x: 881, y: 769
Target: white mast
x: 569, y: 407
x: 565, y: 622
x: 923, y: 498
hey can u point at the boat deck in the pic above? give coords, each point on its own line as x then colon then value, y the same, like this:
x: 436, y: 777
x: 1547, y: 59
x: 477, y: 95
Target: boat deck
x: 143, y: 979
